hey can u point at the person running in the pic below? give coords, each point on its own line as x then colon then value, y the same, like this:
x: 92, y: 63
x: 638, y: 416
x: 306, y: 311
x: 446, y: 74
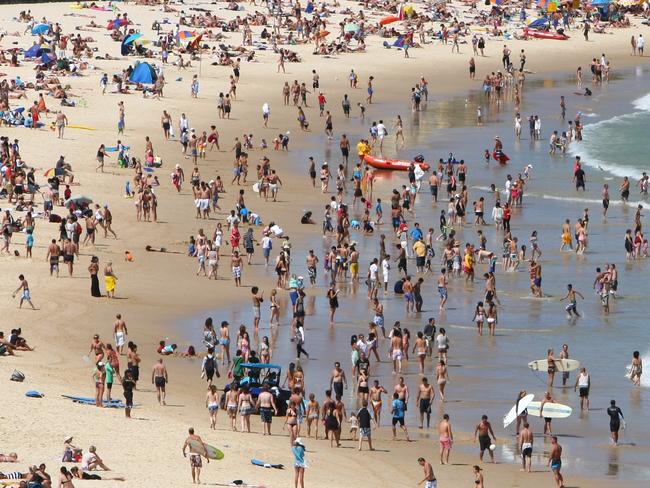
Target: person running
x: 571, y: 308
x: 25, y: 295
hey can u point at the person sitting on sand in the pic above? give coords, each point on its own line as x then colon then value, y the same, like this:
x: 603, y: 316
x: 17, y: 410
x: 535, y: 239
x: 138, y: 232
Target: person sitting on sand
x: 19, y: 343
x: 92, y: 462
x: 5, y: 346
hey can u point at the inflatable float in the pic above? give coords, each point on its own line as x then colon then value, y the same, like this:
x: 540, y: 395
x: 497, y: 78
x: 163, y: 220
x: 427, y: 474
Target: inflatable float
x: 545, y: 35
x: 392, y: 164
x: 500, y: 156
x: 388, y: 20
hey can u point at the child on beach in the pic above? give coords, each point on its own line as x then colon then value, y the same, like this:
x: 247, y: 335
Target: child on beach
x: 354, y: 426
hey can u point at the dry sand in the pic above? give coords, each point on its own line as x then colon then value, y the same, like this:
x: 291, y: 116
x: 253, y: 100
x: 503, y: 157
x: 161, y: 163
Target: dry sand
x: 158, y: 289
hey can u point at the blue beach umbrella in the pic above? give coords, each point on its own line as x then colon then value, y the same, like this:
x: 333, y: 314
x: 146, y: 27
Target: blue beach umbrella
x: 40, y: 29
x: 132, y: 38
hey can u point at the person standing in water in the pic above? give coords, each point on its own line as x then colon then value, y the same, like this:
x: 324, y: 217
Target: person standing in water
x: 615, y: 418
x: 584, y: 383
x: 636, y: 369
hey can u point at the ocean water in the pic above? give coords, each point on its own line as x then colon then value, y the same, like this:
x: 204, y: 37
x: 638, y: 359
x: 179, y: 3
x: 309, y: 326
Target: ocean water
x: 487, y: 373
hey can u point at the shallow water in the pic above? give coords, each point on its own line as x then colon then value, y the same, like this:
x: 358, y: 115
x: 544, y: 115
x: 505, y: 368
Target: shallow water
x: 487, y: 373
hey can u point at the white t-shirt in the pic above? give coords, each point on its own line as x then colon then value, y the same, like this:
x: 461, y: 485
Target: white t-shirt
x: 385, y: 266
x: 381, y: 130
x: 267, y: 242
x: 373, y: 271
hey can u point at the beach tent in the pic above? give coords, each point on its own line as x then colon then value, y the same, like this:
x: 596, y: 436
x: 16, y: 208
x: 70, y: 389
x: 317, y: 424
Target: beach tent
x: 33, y: 51
x: 40, y: 29
x: 351, y: 27
x: 47, y: 58
x: 143, y: 73
x: 537, y: 23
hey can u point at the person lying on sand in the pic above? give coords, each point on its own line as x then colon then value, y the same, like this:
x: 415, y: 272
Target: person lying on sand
x: 82, y: 475
x: 12, y: 457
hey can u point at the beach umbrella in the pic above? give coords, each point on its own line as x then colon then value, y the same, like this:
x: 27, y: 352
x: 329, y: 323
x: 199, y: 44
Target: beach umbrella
x: 185, y: 35
x: 40, y: 29
x: 132, y: 38
x: 78, y: 201
x: 351, y: 27
x: 116, y: 24
x: 599, y: 3
x: 49, y: 173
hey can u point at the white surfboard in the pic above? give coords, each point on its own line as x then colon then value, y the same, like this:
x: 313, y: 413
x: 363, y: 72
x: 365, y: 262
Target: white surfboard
x: 550, y: 410
x: 560, y: 365
x: 256, y: 187
x: 516, y: 410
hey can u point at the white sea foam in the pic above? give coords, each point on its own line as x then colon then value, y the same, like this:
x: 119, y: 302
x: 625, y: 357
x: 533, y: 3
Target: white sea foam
x: 642, y: 103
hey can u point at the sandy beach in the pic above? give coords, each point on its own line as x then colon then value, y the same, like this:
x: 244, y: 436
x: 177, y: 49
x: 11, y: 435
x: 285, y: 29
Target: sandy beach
x: 159, y: 295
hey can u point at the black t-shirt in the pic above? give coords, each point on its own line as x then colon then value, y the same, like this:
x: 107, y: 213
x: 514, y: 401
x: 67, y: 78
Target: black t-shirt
x: 363, y: 364
x: 364, y: 418
x: 580, y: 175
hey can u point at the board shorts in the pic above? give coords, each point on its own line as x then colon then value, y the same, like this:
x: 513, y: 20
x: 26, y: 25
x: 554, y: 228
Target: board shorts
x: 365, y: 432
x: 442, y: 292
x: 419, y: 261
x: 266, y: 415
x: 159, y: 382
x: 195, y: 461
x: 236, y: 271
x: 445, y: 442
x: 556, y: 465
x: 484, y: 442
x: 584, y: 391
x: 397, y: 355
x: 425, y: 405
x: 398, y: 420
x: 526, y: 449
x: 431, y: 484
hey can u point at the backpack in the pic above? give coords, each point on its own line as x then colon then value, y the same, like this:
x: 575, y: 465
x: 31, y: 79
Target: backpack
x: 17, y: 376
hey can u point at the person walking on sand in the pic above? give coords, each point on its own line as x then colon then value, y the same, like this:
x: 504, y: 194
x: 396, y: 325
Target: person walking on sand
x: 195, y: 445
x: 429, y: 480
x: 128, y: 384
x: 446, y: 439
x: 555, y: 462
x: 25, y: 296
x: 110, y: 280
x: 159, y: 378
x: 61, y: 122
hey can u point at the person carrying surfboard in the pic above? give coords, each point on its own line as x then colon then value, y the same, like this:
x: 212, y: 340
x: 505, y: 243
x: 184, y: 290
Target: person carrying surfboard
x: 196, y: 447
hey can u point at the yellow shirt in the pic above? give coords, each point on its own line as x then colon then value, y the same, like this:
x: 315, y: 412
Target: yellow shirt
x: 469, y: 260
x: 420, y: 249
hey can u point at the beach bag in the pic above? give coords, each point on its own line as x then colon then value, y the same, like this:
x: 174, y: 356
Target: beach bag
x: 17, y: 376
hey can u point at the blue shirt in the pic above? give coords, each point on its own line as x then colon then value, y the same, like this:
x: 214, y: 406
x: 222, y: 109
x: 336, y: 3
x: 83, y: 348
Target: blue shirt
x: 416, y: 234
x: 398, y: 409
x: 299, y: 456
